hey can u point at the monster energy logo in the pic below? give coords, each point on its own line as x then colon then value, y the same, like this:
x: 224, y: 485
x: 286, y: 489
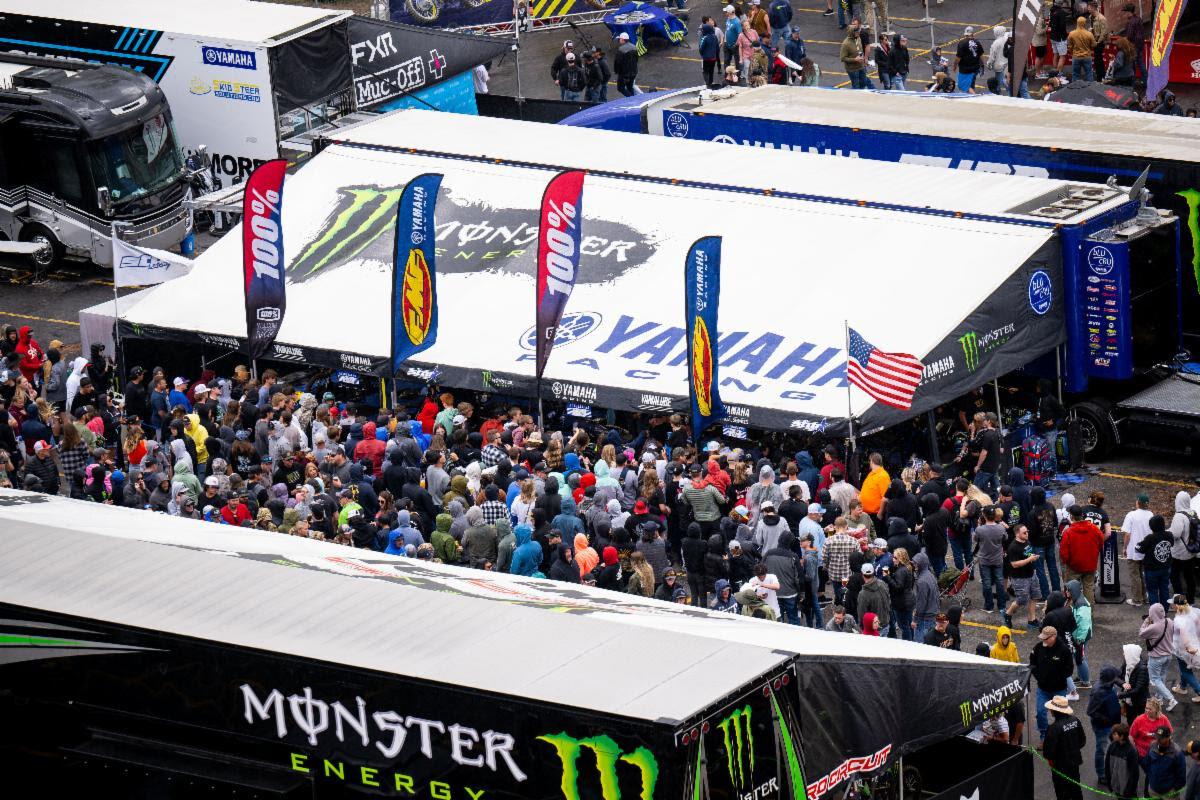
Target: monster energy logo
x: 970, y: 346
x: 608, y: 755
x: 1192, y: 197
x: 364, y: 214
x: 965, y: 709
x: 736, y: 741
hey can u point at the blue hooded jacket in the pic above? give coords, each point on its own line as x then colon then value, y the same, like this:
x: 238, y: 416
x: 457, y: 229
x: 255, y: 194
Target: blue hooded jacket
x: 807, y: 472
x: 567, y: 522
x: 395, y: 544
x: 722, y: 603
x: 405, y: 529
x: 422, y: 439
x: 527, y: 556
x: 571, y: 464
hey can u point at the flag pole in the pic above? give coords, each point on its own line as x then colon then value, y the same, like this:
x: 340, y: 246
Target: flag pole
x: 850, y: 459
x: 118, y: 356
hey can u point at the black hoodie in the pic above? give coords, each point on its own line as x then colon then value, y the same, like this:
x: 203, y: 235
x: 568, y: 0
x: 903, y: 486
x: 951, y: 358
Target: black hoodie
x: 715, y: 565
x: 694, y: 549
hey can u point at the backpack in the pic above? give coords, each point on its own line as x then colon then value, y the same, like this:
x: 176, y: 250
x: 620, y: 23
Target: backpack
x: 776, y: 15
x: 1038, y: 462
x: 574, y: 79
x: 1191, y: 538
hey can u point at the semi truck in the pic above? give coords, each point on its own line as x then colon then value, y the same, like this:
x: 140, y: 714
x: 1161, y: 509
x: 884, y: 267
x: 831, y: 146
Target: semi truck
x: 241, y: 76
x: 1140, y: 393
x: 143, y: 655
x: 84, y: 146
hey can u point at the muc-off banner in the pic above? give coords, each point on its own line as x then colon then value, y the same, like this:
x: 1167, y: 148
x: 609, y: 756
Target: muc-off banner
x: 414, y: 276
x: 1166, y: 20
x: 702, y: 294
x: 1025, y: 17
x: 558, y: 256
x: 262, y: 255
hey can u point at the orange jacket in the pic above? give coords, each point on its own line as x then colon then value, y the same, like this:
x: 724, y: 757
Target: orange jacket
x: 873, y: 487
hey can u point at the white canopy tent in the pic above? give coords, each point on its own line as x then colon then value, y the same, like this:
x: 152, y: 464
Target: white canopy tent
x: 803, y: 256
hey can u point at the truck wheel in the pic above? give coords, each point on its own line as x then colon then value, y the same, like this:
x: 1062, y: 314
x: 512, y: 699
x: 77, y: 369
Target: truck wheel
x: 49, y: 256
x: 1098, y: 429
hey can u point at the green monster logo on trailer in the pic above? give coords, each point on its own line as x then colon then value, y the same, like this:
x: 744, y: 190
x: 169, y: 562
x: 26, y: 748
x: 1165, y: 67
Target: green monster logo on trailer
x: 608, y: 754
x: 737, y: 721
x: 1192, y: 197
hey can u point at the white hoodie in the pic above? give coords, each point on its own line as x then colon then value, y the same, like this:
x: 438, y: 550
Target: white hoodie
x: 1180, y: 525
x: 77, y: 368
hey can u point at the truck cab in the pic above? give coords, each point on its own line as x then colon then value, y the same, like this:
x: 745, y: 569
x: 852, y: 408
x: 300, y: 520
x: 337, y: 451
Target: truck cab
x: 69, y: 129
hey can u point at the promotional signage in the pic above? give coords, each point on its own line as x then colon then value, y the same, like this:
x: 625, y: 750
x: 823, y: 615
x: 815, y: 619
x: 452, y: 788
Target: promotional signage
x: 389, y: 61
x: 138, y: 266
x: 1025, y: 19
x: 702, y: 296
x: 262, y: 256
x: 1162, y: 36
x: 1107, y: 329
x: 558, y: 257
x: 414, y: 274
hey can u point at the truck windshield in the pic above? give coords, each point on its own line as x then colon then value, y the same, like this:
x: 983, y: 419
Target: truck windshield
x: 136, y: 162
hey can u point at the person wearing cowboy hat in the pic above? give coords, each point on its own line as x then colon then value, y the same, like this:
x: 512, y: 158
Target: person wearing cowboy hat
x: 1063, y: 746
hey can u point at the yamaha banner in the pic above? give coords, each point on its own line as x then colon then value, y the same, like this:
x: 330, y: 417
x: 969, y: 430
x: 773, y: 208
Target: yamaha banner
x: 414, y: 275
x: 558, y: 256
x: 262, y: 255
x: 1166, y: 20
x: 702, y: 287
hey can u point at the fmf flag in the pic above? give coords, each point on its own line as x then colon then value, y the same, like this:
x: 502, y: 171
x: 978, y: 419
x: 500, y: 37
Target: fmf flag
x: 1162, y: 36
x: 702, y: 286
x: 262, y: 255
x: 143, y: 266
x: 558, y: 256
x: 414, y: 276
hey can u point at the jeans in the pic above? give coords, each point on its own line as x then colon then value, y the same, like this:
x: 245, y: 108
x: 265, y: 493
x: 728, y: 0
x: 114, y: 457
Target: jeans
x: 1187, y: 678
x: 1081, y: 69
x: 1101, y: 735
x: 1023, y: 89
x: 1081, y: 664
x: 992, y: 576
x: 592, y: 94
x: 1157, y: 666
x: 937, y: 565
x: 573, y: 97
x: 1158, y: 586
x: 814, y: 617
x: 1001, y: 81
x: 1051, y: 435
x: 1183, y: 577
x: 898, y: 83
x: 902, y: 619
x: 780, y: 35
x: 1043, y: 723
x: 985, y: 481
x: 625, y: 85
x: 787, y: 611
x: 924, y: 626
x: 860, y: 80
x: 961, y: 547
x: 1048, y: 563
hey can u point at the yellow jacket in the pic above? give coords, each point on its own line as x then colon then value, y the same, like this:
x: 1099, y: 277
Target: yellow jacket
x: 199, y: 434
x: 873, y: 487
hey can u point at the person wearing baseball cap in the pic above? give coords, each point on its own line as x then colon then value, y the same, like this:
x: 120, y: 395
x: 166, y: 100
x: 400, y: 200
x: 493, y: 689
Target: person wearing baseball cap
x: 560, y: 61
x: 1063, y: 746
x: 1051, y: 664
x: 625, y: 66
x: 42, y: 465
x: 1166, y: 766
x: 178, y: 395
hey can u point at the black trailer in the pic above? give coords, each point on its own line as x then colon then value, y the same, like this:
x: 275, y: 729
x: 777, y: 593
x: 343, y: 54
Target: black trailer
x: 148, y: 656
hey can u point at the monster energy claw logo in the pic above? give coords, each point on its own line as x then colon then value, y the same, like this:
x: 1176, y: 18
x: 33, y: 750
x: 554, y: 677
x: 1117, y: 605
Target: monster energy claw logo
x: 736, y: 741
x: 965, y: 708
x: 970, y: 346
x: 608, y: 755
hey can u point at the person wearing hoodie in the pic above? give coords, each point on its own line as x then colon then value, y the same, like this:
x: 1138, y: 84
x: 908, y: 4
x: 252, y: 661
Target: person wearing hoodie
x: 1042, y: 523
x: 807, y: 472
x: 899, y: 62
x: 782, y: 562
x: 1158, y: 632
x: 874, y: 598
x: 1155, y: 550
x: 1080, y: 550
x: 1168, y: 105
x: 508, y: 543
x: 899, y: 536
x: 769, y: 529
x: 766, y: 490
x: 1005, y: 649
x: 457, y: 493
x: 709, y: 48
x: 1021, y: 492
x: 723, y: 599
x: 563, y: 568
x: 480, y: 542
x: 568, y: 521
x: 185, y: 476
x: 752, y: 602
x: 371, y: 448
x: 1136, y: 687
x: 586, y: 558
x: 447, y: 549
x: 160, y: 496
x: 458, y: 520
x: 716, y: 564
x: 78, y: 372
x: 925, y: 596
x: 30, y: 352
x: 55, y: 390
x: 1104, y: 711
x: 694, y: 548
x: 179, y: 494
x: 405, y: 528
x: 526, y: 555
x: 1183, y: 561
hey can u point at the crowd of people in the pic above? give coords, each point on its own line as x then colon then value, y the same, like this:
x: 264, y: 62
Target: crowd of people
x: 648, y: 512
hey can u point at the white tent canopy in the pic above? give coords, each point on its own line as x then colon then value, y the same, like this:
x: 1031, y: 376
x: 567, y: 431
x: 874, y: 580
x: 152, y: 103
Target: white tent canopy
x: 796, y: 269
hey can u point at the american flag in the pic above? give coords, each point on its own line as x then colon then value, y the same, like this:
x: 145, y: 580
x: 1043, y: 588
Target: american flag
x: 891, y: 378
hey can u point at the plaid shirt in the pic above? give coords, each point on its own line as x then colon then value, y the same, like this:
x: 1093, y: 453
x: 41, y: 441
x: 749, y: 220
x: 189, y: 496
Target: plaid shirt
x: 837, y: 555
x: 493, y: 511
x: 73, y: 460
x: 491, y: 456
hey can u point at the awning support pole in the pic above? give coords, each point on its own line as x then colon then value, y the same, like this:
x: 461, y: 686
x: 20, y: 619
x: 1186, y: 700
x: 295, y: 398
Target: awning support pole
x: 999, y: 413
x: 934, y: 453
x: 1058, y: 370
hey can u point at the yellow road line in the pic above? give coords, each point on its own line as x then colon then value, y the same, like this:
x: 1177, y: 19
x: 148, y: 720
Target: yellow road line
x: 902, y: 19
x: 1145, y: 480
x: 40, y: 319
x: 992, y: 627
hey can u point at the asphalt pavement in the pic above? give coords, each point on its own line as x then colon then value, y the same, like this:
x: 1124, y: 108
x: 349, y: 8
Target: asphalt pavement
x: 672, y: 67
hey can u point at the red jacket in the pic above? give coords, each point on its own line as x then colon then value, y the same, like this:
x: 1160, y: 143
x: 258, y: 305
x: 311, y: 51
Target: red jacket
x: 1080, y: 548
x: 30, y: 352
x: 427, y: 415
x: 235, y: 518
x: 370, y: 447
x: 827, y: 474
